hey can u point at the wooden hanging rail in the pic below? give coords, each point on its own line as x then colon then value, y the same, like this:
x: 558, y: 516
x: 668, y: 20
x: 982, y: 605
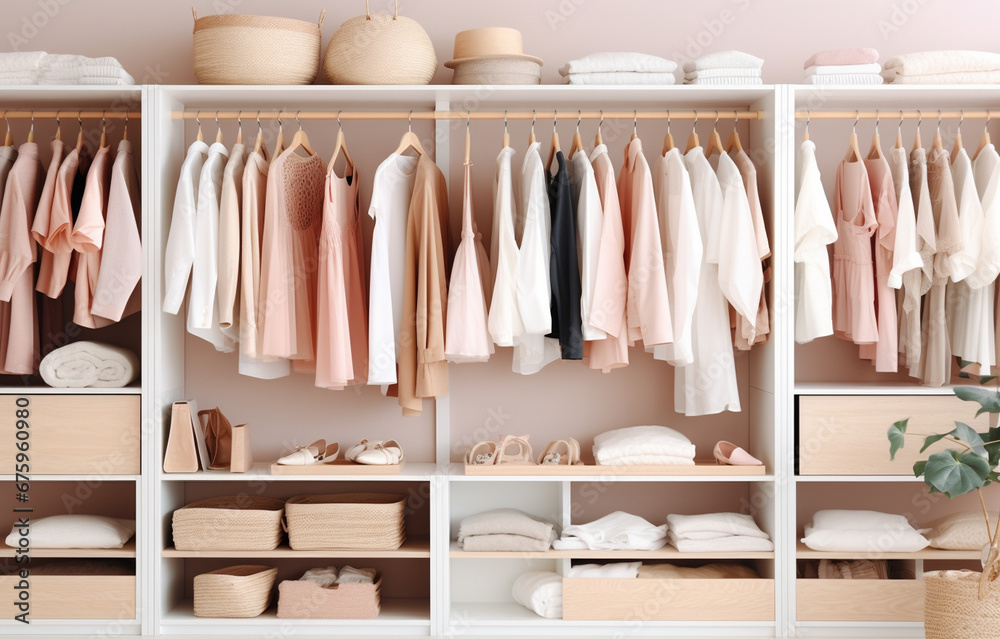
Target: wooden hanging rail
x: 889, y: 114
x: 569, y: 114
x: 68, y: 114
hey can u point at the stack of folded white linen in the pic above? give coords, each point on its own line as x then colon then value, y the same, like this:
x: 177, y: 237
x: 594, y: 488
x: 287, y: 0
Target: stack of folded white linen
x: 618, y: 68
x: 862, y: 531
x: 617, y: 531
x: 643, y: 446
x: 540, y: 592
x: 39, y: 67
x: 855, y: 65
x: 621, y: 570
x: 717, y: 532
x: 943, y: 67
x: 505, y: 530
x: 724, y: 67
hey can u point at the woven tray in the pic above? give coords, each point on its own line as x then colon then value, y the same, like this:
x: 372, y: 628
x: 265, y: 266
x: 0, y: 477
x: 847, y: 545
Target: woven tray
x: 229, y: 523
x: 234, y: 592
x: 350, y: 521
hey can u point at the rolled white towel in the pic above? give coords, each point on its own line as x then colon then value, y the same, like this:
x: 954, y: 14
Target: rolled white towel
x: 541, y: 592
x: 612, y: 61
x: 89, y: 364
x: 724, y: 59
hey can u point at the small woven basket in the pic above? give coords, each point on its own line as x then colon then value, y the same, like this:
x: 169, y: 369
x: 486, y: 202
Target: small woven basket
x: 952, y: 608
x: 239, y: 49
x: 309, y: 600
x: 380, y: 49
x: 229, y: 523
x: 352, y: 521
x: 234, y: 592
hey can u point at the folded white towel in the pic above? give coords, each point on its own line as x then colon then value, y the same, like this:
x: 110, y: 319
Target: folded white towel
x: 619, y: 77
x: 570, y: 543
x: 960, y: 77
x: 21, y: 61
x: 19, y: 78
x: 611, y: 61
x: 89, y: 364
x: 125, y: 80
x: 541, y: 592
x: 724, y: 523
x: 726, y: 80
x: 839, y: 69
x: 644, y: 460
x: 351, y: 575
x: 617, y: 531
x: 888, y: 539
x: 723, y: 73
x: 723, y: 59
x: 324, y: 577
x: 641, y: 441
x: 732, y: 543
x: 508, y: 521
x: 623, y: 570
x: 933, y: 62
x: 846, y: 78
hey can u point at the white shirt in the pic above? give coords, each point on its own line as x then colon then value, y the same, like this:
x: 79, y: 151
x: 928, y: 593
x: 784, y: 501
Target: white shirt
x: 986, y: 168
x: 179, y: 255
x: 505, y: 324
x: 682, y: 251
x: 589, y: 220
x: 391, y: 191
x: 814, y: 230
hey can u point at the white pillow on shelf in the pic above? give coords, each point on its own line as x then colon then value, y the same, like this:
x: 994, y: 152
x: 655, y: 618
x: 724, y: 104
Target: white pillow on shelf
x: 887, y: 539
x: 75, y: 531
x: 857, y: 520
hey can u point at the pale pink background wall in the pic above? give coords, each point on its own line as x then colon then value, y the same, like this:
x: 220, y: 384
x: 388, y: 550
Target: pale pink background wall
x: 153, y: 39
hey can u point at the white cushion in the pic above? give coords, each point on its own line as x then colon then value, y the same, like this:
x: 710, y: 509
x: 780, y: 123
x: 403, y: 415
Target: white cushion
x: 889, y: 539
x: 857, y: 520
x: 75, y: 531
x: 960, y: 531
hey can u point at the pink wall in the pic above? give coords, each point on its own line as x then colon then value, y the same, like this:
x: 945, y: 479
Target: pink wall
x: 153, y: 39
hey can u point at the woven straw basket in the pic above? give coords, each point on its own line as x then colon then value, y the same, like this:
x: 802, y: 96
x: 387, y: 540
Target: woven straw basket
x: 236, y: 591
x: 352, y: 521
x: 238, y: 49
x: 380, y: 49
x: 229, y: 523
x: 498, y: 70
x: 952, y: 608
x: 309, y: 600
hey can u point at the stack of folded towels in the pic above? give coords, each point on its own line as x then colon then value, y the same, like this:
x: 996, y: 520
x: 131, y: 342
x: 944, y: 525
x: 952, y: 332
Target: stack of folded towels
x: 724, y: 67
x: 326, y: 577
x: 39, y: 67
x: 862, y: 531
x: 717, y: 532
x: 505, y: 530
x: 856, y: 65
x: 943, y: 67
x: 618, y: 68
x: 617, y: 531
x: 643, y: 446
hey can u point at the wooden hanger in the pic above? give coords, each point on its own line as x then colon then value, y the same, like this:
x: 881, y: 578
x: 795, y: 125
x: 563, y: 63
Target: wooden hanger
x: 853, y: 152
x: 917, y: 143
x: 79, y: 135
x: 125, y: 128
x: 577, y: 144
x: 635, y: 132
x: 340, y: 147
x: 8, y: 138
x: 258, y: 145
x: 805, y: 135
x: 218, y: 129
x: 899, y: 133
x: 31, y: 131
x: 300, y: 139
x: 58, y: 127
x: 984, y: 140
x: 875, y: 150
x: 279, y: 142
x: 531, y: 135
x: 506, y: 136
x: 937, y: 145
x: 599, y: 139
x: 468, y: 139
x: 410, y: 139
x: 201, y: 136
x: 668, y: 139
x: 554, y: 144
x: 714, y: 140
x: 734, y: 138
x: 958, y: 137
x: 693, y: 140
x: 239, y: 127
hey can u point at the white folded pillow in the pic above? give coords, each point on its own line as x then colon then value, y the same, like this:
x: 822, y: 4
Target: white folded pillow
x: 857, y: 520
x: 75, y: 531
x: 896, y: 539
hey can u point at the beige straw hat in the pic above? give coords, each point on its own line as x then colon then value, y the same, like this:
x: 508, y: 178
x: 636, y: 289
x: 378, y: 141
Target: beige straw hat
x: 493, y: 55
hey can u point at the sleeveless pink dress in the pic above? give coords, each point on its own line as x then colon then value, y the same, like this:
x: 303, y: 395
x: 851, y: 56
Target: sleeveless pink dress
x: 853, y: 272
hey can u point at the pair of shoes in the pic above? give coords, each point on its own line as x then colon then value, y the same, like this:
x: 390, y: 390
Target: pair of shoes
x: 379, y: 453
x: 730, y: 454
x: 561, y: 452
x: 315, y: 453
x: 512, y: 449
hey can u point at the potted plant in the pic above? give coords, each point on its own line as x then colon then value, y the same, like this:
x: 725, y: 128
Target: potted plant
x: 962, y: 603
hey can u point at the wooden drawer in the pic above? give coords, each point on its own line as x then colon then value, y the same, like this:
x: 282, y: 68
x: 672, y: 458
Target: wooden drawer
x: 76, y: 597
x: 846, y: 434
x: 74, y: 434
x: 668, y: 599
x: 859, y: 600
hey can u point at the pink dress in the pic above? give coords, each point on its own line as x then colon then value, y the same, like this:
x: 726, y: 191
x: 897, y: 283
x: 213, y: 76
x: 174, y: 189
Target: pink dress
x: 853, y: 273
x: 46, y: 218
x: 88, y: 239
x: 886, y: 353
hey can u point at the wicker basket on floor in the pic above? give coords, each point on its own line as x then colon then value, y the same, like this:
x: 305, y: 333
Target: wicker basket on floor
x: 229, y: 523
x: 309, y: 600
x: 952, y: 607
x: 234, y: 592
x: 351, y: 521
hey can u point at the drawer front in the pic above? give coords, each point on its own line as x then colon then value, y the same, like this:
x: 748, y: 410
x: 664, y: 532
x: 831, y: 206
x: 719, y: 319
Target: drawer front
x: 859, y: 600
x: 668, y: 599
x: 846, y: 434
x: 73, y: 597
x: 74, y: 434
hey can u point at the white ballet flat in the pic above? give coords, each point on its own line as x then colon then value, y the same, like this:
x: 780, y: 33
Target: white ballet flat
x: 315, y: 453
x: 388, y: 453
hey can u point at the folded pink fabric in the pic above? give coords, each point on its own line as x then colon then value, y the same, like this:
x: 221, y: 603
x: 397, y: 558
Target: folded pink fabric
x: 853, y: 55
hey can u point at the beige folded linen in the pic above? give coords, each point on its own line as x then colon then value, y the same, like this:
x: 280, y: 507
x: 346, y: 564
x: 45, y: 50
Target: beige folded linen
x: 507, y: 521
x: 504, y: 543
x: 959, y: 77
x: 935, y: 62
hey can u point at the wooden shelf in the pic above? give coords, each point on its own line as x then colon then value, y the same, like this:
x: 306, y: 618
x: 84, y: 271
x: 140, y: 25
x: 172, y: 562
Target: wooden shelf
x: 698, y: 470
x: 667, y: 552
x: 338, y: 467
x: 261, y: 471
x: 804, y: 552
x: 395, y: 612
x: 75, y: 477
x: 48, y: 390
x: 861, y: 479
x: 888, y: 388
x: 411, y: 549
x: 126, y: 552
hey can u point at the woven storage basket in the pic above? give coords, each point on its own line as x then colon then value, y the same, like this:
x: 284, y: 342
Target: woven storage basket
x: 238, y: 49
x: 499, y: 70
x: 380, y: 49
x: 309, y: 600
x: 229, y: 523
x: 236, y: 591
x: 352, y: 521
x: 952, y: 608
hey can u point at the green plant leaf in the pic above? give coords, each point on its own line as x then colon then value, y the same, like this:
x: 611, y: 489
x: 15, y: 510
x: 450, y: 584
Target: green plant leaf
x: 954, y: 473
x: 986, y: 379
x: 964, y: 375
x: 918, y: 468
x: 933, y: 439
x: 897, y: 436
x: 989, y: 400
x: 965, y: 434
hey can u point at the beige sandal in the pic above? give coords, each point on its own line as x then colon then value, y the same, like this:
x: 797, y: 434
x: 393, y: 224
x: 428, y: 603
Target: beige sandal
x: 561, y: 452
x: 482, y: 454
x: 522, y: 455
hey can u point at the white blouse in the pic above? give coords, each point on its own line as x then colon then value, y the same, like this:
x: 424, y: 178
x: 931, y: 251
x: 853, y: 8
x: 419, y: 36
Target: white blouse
x: 504, y: 322
x: 814, y: 230
x: 589, y: 221
x: 179, y: 255
x: 986, y: 168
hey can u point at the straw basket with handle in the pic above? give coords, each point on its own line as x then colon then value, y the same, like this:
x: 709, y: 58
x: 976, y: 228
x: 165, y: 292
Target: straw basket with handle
x: 241, y: 49
x: 380, y: 49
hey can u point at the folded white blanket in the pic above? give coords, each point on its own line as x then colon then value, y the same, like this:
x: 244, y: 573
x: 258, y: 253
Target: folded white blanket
x: 623, y: 570
x: 351, y: 575
x: 933, y: 62
x: 13, y: 78
x: 839, y: 69
x: 959, y: 77
x: 845, y: 519
x: 723, y: 73
x: 732, y: 543
x: 723, y: 59
x: 855, y: 78
x: 619, y: 77
x: 610, y: 61
x: 89, y: 364
x: 508, y: 521
x: 39, y: 67
x: 726, y: 80
x: 324, y: 577
x: 681, y: 526
x: 617, y: 531
x: 125, y: 80
x: 645, y: 460
x: 541, y: 592
x: 505, y: 543
x: 20, y: 61
x: 641, y: 441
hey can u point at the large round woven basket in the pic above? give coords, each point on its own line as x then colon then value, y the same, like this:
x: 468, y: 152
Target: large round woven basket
x: 380, y: 49
x: 952, y: 608
x: 356, y: 521
x: 234, y: 592
x: 239, y: 49
x: 229, y: 523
